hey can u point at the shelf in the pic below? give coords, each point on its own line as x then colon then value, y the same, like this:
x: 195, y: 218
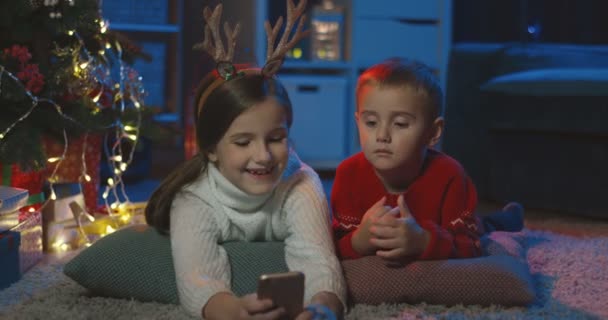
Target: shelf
x: 317, y: 65
x: 160, y: 28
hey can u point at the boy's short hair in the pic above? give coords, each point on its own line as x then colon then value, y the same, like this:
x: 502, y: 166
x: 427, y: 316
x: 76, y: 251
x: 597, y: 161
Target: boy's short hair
x: 397, y: 72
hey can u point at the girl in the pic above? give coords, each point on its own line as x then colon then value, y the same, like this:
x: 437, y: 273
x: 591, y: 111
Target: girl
x: 246, y: 184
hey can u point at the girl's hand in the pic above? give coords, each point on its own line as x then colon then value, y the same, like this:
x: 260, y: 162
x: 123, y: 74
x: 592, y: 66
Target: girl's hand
x: 253, y: 308
x: 324, y: 306
x: 398, y: 237
x: 362, y: 236
x: 225, y: 305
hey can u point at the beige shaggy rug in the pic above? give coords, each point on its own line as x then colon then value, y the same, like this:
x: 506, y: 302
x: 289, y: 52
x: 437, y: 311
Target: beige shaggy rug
x: 570, y: 274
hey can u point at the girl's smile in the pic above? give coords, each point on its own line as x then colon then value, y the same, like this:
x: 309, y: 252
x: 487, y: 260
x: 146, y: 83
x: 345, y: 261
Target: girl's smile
x: 253, y: 152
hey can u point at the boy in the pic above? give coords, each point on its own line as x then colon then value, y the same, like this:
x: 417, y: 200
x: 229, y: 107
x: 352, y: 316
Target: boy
x: 400, y: 198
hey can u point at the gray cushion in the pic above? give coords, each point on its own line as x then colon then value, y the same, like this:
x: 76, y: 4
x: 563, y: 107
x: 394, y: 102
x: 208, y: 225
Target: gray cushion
x: 136, y: 262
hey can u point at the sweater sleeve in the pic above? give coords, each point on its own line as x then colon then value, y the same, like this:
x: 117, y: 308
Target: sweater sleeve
x: 341, y: 205
x: 308, y: 245
x: 458, y: 233
x: 201, y: 265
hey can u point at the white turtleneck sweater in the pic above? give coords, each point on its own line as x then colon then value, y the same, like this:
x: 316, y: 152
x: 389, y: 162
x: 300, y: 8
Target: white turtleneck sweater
x: 211, y: 211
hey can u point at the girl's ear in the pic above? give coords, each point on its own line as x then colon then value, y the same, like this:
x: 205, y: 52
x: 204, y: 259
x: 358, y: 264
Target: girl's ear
x: 436, y: 131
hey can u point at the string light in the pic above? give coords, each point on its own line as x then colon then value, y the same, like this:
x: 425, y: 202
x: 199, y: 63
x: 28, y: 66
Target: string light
x: 96, y: 75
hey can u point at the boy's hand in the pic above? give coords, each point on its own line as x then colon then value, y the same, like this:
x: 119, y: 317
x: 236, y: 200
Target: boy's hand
x: 398, y: 237
x: 361, y: 238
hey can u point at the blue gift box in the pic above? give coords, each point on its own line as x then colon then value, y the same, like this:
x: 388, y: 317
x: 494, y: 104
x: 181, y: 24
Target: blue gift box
x: 9, y: 258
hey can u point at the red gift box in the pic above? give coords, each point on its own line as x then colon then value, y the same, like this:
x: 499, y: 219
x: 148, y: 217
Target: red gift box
x: 33, y: 181
x: 70, y: 169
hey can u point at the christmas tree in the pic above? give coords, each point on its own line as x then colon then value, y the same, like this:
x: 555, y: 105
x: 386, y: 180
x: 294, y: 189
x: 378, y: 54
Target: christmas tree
x: 63, y: 73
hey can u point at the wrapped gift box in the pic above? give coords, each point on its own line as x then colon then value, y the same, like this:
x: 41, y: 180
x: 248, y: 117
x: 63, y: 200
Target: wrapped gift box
x: 70, y: 169
x: 59, y: 209
x: 60, y: 230
x: 12, y: 199
x: 20, y: 248
x: 32, y: 181
x: 62, y: 235
x: 9, y: 220
x: 9, y: 258
x: 30, y: 248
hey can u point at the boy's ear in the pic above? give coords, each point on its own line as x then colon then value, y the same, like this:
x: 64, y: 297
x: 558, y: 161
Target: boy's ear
x: 436, y: 131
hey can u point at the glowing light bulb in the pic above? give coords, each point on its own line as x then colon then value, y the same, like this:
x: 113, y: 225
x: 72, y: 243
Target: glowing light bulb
x: 109, y: 229
x: 97, y: 96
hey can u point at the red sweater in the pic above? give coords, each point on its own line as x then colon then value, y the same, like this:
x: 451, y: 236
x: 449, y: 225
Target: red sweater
x: 442, y: 200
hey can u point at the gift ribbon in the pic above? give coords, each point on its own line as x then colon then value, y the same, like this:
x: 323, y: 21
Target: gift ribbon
x: 7, y: 175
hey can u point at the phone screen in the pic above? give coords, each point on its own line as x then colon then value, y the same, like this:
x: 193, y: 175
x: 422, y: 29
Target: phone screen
x: 285, y: 290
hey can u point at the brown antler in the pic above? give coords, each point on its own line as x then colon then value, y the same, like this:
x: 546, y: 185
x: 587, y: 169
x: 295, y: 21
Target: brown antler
x: 293, y: 13
x: 212, y: 33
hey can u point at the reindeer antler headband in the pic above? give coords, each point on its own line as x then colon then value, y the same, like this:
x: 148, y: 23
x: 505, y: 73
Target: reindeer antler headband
x: 223, y: 56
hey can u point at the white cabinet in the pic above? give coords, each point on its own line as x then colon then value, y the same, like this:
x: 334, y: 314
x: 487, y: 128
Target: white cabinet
x: 319, y: 112
x: 415, y: 29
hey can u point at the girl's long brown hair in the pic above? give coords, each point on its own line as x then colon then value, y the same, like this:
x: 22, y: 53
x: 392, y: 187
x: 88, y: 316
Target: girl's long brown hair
x: 221, y: 107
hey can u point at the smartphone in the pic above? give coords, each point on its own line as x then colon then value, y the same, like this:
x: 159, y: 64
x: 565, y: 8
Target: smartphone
x: 285, y: 290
